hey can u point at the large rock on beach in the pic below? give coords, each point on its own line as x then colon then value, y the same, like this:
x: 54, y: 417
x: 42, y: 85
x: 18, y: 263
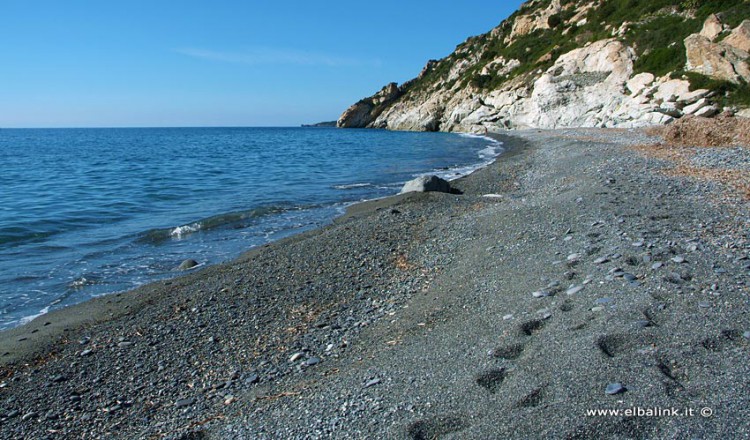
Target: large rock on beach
x: 187, y: 264
x: 427, y: 184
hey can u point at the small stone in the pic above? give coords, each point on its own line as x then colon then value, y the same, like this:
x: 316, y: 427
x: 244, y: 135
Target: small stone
x: 59, y: 378
x: 678, y: 259
x: 541, y: 294
x: 13, y: 414
x: 86, y: 352
x: 643, y: 323
x: 312, y: 361
x: 704, y: 305
x: 28, y: 416
x: 573, y: 257
x: 507, y: 317
x: 601, y: 260
x: 657, y: 265
x: 629, y: 277
x: 124, y: 344
x: 573, y: 290
x: 252, y: 379
x: 372, y: 383
x: 603, y: 301
x: 638, y: 244
x: 597, y: 309
x: 615, y: 388
x: 184, y: 402
x: 746, y: 335
x: 296, y: 356
x: 228, y: 400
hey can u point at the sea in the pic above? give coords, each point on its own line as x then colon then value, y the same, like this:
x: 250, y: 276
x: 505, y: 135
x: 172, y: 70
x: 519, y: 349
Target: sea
x: 88, y: 212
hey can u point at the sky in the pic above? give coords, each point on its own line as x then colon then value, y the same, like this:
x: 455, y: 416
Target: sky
x: 156, y: 63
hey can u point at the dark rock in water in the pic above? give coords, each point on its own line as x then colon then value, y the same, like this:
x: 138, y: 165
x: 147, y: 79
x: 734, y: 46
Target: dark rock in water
x: 427, y: 184
x: 615, y: 388
x: 187, y: 264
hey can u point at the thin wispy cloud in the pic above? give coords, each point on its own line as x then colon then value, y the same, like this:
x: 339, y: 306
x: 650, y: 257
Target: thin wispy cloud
x: 274, y: 56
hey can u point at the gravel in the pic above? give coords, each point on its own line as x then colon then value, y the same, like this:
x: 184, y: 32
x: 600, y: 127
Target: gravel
x: 380, y: 325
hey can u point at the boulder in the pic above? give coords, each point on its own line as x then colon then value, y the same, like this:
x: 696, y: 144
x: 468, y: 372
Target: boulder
x: 717, y: 60
x: 740, y: 37
x: 187, y: 264
x: 639, y: 82
x: 427, y: 184
x: 670, y: 90
x: 693, y: 108
x: 712, y: 27
x: 707, y: 112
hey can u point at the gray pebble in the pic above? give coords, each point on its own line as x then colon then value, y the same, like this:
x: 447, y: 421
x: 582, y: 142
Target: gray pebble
x: 296, y: 356
x: 372, y: 383
x: 184, y: 402
x: 643, y: 323
x: 746, y: 335
x: 615, y: 388
x: 678, y: 259
x: 312, y: 361
x: 86, y: 352
x: 704, y: 305
x: 28, y: 416
x: 541, y: 294
x: 601, y: 260
x: 629, y: 277
x: 573, y: 290
x: 603, y: 301
x: 252, y: 379
x: 657, y: 265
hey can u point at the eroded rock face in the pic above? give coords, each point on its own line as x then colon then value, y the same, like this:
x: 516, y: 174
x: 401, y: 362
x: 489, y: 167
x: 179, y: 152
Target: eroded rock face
x: 728, y: 59
x: 716, y: 60
x: 591, y: 86
x: 740, y: 37
x: 362, y: 113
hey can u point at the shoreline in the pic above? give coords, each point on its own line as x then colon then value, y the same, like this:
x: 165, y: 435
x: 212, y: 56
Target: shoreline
x: 268, y: 223
x: 427, y: 315
x: 33, y: 338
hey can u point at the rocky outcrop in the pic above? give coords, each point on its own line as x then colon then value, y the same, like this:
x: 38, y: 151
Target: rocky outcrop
x: 481, y: 86
x: 362, y: 113
x: 726, y: 60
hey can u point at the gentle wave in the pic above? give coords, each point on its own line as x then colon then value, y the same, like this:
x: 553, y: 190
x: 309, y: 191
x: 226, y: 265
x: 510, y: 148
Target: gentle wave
x: 352, y: 186
x: 231, y: 220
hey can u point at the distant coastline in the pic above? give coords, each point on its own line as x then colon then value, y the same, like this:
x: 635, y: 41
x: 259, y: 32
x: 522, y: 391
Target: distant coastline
x: 321, y: 124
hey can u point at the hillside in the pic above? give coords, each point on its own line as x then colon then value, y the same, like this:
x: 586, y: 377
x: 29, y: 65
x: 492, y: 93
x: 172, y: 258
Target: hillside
x: 568, y: 63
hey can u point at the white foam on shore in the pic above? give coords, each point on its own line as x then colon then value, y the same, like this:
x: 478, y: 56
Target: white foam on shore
x: 487, y: 156
x: 27, y: 319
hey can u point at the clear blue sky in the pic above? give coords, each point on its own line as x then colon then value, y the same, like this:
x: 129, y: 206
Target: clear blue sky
x: 130, y: 63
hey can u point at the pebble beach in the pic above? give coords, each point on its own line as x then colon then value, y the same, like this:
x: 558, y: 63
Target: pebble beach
x: 576, y: 273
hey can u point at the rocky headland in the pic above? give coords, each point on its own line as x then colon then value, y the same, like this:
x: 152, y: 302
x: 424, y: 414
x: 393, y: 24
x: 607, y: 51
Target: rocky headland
x: 556, y: 64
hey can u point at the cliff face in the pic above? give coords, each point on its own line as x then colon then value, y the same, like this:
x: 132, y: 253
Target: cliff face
x: 567, y: 63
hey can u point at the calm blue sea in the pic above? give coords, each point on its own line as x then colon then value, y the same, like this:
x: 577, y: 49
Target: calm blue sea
x: 86, y: 212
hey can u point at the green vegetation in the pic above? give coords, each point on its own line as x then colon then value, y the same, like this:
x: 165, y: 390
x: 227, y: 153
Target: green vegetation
x: 655, y: 29
x: 728, y: 93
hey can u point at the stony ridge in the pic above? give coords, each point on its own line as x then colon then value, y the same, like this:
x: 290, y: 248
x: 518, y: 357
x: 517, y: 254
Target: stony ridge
x: 557, y: 63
